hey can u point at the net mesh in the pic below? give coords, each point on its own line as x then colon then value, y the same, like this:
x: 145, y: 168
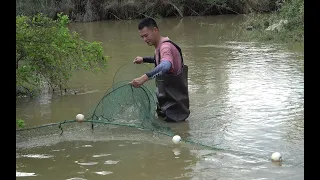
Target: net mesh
x: 126, y: 105
x: 129, y: 71
x: 122, y: 106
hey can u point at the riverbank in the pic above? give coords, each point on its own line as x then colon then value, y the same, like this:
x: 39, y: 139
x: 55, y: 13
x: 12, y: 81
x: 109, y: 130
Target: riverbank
x: 96, y: 10
x: 268, y: 20
x: 286, y: 25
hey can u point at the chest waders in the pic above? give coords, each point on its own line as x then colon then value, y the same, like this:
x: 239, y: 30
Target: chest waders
x: 172, y: 93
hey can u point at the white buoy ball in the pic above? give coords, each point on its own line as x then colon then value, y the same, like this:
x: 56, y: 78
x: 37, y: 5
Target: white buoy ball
x: 176, y: 139
x: 276, y: 156
x: 80, y: 118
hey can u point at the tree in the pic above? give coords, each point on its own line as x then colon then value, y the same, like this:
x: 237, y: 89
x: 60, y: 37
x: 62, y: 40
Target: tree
x: 48, y: 52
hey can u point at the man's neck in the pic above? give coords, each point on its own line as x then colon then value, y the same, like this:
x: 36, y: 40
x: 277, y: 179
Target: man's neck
x: 158, y: 42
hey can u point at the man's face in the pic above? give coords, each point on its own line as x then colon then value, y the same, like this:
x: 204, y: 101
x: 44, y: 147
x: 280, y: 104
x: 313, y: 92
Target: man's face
x: 149, y: 35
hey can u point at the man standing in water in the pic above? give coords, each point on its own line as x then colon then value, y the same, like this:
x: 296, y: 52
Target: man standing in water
x: 170, y: 73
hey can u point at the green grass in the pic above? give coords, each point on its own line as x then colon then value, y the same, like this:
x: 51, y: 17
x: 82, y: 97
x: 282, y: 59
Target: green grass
x: 292, y: 32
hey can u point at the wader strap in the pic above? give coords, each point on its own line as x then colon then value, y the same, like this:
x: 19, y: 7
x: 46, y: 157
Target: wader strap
x: 179, y: 49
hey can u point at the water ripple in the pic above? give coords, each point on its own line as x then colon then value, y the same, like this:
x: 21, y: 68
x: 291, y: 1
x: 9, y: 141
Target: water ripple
x: 37, y: 156
x: 255, y: 99
x: 86, y: 163
x: 24, y: 174
x: 111, y: 162
x: 104, y: 172
x: 101, y: 155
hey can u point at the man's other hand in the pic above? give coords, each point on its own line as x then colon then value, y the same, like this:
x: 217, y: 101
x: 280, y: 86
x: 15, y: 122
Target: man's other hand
x: 137, y: 82
x: 138, y: 60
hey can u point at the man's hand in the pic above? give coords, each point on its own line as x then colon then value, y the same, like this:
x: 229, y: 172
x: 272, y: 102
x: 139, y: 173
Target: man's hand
x: 139, y: 81
x: 138, y: 60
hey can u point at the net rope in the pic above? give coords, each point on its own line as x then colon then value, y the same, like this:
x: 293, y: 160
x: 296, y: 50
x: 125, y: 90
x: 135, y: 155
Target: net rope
x: 122, y: 105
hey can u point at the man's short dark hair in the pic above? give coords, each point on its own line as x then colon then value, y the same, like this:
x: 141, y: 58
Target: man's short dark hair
x: 147, y: 22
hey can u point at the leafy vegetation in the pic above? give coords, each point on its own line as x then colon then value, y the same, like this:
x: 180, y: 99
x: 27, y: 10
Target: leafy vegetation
x: 286, y: 24
x: 20, y: 123
x: 47, y: 52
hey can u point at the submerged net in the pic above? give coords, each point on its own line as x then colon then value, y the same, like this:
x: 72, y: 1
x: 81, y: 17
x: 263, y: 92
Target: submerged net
x: 122, y: 106
x: 125, y: 105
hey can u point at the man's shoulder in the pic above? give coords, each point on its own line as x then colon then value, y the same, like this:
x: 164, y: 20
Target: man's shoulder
x: 167, y: 44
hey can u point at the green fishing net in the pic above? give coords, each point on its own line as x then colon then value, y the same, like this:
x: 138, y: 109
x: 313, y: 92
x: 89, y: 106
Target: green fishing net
x: 123, y: 109
x: 122, y: 105
x: 126, y: 105
x: 127, y: 72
